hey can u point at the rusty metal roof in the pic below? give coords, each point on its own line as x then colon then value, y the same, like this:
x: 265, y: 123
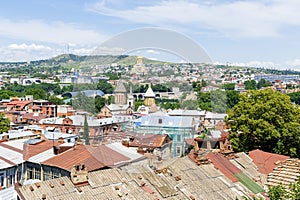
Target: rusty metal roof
x: 94, y: 157
x: 266, y: 161
x: 181, y: 179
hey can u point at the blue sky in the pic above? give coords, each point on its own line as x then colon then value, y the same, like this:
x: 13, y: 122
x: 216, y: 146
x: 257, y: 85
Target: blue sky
x: 258, y: 32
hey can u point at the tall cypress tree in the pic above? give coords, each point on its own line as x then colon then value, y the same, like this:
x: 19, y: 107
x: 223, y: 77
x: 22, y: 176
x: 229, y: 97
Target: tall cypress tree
x: 86, y: 136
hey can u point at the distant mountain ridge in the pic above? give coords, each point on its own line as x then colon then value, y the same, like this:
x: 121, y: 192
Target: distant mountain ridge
x: 87, y: 60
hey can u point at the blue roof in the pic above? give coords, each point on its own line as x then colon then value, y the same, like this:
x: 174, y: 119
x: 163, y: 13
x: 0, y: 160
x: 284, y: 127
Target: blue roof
x: 166, y: 121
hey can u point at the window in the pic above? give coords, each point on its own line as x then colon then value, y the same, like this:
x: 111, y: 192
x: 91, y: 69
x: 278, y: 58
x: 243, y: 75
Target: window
x: 178, y: 138
x: 1, y: 179
x: 160, y: 121
x: 178, y: 151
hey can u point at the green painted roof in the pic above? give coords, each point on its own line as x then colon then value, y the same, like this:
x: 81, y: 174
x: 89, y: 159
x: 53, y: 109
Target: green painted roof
x: 249, y: 183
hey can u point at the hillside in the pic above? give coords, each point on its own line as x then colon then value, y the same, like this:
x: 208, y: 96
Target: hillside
x: 71, y: 59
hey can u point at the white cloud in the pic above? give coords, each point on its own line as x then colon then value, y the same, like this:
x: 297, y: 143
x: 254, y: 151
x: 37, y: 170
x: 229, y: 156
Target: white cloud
x: 294, y: 63
x: 246, y: 18
x: 29, y: 52
x: 83, y: 51
x: 29, y: 47
x: 151, y: 51
x: 52, y: 32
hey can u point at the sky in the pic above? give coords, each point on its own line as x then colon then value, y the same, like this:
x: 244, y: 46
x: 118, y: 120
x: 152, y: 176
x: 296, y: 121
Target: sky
x: 260, y: 33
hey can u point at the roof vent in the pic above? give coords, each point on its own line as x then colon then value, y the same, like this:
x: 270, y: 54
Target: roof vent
x: 43, y: 196
x: 178, y: 178
x: 31, y: 188
x: 51, y: 185
x: 37, y: 184
x: 62, y: 183
x: 79, y: 189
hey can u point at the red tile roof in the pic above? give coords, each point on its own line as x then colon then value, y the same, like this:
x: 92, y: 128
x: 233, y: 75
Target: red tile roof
x: 224, y: 165
x: 265, y: 161
x: 21, y: 103
x: 93, y: 157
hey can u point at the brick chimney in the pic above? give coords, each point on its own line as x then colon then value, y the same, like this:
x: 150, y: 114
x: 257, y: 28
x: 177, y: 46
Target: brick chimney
x: 79, y: 174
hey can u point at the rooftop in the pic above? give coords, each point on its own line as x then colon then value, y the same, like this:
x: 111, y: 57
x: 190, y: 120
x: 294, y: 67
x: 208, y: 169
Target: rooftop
x: 182, y: 179
x: 266, y: 161
x: 94, y: 157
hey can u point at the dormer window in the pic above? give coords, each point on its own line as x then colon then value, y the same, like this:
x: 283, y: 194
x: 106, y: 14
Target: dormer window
x: 160, y: 121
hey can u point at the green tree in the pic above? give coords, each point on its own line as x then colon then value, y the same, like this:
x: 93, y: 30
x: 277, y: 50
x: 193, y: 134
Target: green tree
x: 203, y: 83
x: 37, y: 93
x: 100, y: 102
x: 6, y: 94
x: 266, y: 120
x: 160, y: 88
x: 295, y: 97
x: 218, y: 101
x: 279, y: 192
x: 106, y: 87
x: 86, y: 136
x: 4, y: 123
x: 137, y: 104
x: 228, y: 86
x: 204, y: 101
x: 190, y: 104
x: 81, y: 101
x: 55, y: 100
x: 263, y: 83
x: 250, y: 85
x: 232, y: 98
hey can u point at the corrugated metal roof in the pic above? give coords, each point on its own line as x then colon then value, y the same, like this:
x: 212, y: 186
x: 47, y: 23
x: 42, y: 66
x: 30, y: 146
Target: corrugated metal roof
x: 41, y: 157
x: 128, y: 152
x: 57, y: 135
x: 285, y: 173
x: 182, y: 179
x: 78, y: 120
x: 94, y: 157
x: 13, y: 156
x: 8, y: 194
x: 211, y: 115
x: 181, y: 112
x: 224, y: 165
x: 31, y: 150
x: 4, y: 163
x: 16, y: 143
x: 215, y: 133
x: 17, y: 134
x: 232, y: 172
x: 167, y: 121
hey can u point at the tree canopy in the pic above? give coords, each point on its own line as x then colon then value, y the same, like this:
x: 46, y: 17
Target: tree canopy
x: 218, y: 100
x: 279, y: 192
x: 4, y: 123
x: 295, y: 97
x: 250, y: 85
x: 266, y: 120
x: 106, y: 87
x: 86, y: 136
x: 81, y: 101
